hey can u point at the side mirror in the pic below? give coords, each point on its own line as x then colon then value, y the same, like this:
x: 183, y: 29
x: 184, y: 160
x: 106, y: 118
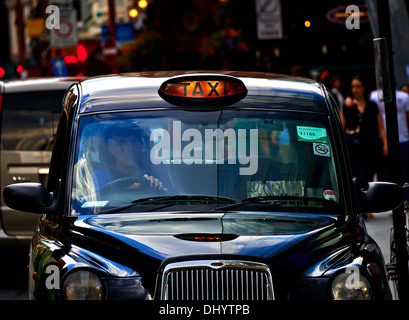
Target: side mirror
x: 30, y: 197
x: 381, y: 196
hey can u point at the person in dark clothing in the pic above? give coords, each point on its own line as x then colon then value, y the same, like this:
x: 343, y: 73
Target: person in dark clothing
x: 365, y: 132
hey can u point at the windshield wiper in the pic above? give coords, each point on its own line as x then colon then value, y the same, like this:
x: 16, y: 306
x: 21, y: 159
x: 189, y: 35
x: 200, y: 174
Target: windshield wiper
x: 161, y: 199
x: 261, y: 199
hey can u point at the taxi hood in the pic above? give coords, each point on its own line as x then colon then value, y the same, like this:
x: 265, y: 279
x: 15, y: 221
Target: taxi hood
x: 173, y: 234
x: 238, y: 223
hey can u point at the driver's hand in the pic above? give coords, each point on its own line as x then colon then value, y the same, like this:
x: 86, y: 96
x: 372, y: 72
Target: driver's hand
x: 154, y: 182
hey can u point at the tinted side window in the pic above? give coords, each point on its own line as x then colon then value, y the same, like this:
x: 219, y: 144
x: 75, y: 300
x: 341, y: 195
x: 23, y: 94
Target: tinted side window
x: 29, y: 119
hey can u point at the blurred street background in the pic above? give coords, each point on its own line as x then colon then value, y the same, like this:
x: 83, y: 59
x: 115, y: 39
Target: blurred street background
x: 307, y: 38
x: 317, y: 39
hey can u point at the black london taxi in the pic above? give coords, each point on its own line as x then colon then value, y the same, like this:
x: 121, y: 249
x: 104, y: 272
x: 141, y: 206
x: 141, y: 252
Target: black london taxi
x: 202, y: 186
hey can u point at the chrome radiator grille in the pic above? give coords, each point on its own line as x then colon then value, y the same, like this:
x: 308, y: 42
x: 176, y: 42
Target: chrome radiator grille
x: 217, y: 280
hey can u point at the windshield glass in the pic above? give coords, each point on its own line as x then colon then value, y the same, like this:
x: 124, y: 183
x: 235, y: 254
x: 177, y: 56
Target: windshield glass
x: 249, y: 160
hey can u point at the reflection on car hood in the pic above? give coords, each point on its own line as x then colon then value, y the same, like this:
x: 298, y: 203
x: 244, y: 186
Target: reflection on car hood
x: 229, y: 223
x: 160, y: 235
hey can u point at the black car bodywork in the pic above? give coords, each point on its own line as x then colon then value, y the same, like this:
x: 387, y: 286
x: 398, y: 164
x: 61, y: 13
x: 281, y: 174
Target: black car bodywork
x: 185, y: 245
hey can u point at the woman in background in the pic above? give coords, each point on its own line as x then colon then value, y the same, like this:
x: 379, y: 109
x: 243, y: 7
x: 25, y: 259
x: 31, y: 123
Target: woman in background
x: 365, y: 132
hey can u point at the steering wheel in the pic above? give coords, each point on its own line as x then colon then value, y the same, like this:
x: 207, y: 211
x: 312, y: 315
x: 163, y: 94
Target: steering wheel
x: 120, y: 189
x: 125, y: 183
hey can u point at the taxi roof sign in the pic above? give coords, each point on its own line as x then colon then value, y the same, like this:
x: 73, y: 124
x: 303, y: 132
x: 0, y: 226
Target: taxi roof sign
x: 203, y: 90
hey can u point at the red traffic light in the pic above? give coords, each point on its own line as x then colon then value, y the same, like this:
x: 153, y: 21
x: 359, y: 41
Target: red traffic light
x: 19, y: 68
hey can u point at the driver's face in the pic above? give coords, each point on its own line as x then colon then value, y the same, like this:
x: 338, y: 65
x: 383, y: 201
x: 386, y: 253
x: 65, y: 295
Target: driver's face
x: 125, y: 150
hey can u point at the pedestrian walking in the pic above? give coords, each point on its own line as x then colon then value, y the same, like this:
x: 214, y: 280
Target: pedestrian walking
x: 365, y: 132
x: 405, y: 88
x: 402, y: 108
x: 335, y: 87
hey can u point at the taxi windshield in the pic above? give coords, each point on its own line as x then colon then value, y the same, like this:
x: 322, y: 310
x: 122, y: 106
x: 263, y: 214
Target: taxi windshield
x: 204, y: 160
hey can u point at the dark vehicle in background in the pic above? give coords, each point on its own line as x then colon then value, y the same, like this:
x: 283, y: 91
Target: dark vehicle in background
x: 241, y: 189
x: 30, y: 110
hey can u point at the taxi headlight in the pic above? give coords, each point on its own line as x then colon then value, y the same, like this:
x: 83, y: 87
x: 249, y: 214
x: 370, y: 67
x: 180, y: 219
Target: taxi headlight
x: 83, y: 285
x: 351, y: 287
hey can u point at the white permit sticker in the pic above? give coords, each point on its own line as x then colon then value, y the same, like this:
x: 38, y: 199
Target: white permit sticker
x: 312, y: 134
x: 92, y: 204
x: 321, y: 149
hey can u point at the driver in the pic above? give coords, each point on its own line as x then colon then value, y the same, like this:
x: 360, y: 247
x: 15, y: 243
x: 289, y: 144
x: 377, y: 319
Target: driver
x: 125, y: 149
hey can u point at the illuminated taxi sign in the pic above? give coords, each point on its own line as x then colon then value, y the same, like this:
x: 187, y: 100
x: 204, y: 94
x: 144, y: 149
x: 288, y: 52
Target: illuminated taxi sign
x: 203, y: 90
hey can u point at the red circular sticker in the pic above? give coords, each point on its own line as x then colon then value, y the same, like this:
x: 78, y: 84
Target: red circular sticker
x: 321, y: 149
x: 330, y: 195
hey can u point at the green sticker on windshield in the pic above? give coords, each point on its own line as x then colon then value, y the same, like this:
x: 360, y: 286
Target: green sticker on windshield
x: 312, y: 134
